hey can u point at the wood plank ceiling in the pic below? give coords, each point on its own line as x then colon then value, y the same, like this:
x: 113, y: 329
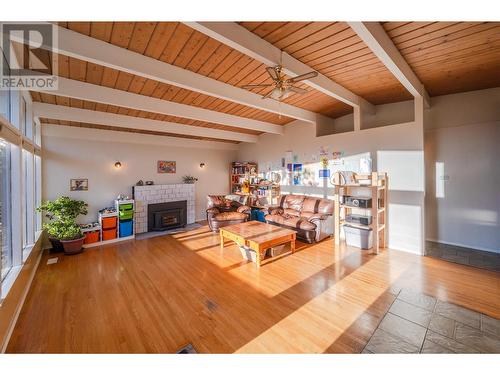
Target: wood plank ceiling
x: 448, y: 57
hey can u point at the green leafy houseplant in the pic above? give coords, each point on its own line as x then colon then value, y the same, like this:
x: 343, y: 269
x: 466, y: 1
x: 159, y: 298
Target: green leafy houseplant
x: 62, y: 214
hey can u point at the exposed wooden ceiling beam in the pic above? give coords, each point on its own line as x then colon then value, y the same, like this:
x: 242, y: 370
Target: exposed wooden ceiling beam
x: 80, y: 46
x: 90, y: 134
x: 59, y: 112
x: 375, y: 37
x: 100, y: 94
x: 243, y: 40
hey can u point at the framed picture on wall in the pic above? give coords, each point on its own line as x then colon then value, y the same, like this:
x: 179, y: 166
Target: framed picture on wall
x: 79, y: 184
x: 164, y: 166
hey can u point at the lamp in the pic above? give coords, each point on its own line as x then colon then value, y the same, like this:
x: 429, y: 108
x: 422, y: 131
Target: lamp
x: 118, y: 165
x: 202, y: 165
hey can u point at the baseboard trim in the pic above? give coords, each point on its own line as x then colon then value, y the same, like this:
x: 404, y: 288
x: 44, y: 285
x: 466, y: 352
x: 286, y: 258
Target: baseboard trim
x: 21, y: 304
x: 464, y: 245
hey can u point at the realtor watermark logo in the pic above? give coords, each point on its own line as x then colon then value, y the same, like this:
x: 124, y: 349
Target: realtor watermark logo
x: 28, y: 62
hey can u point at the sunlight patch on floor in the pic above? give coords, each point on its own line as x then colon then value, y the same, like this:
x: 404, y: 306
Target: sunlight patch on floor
x: 311, y: 324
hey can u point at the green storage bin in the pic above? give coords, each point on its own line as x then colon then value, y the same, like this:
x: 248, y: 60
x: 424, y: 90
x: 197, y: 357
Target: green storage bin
x: 126, y: 207
x: 126, y: 215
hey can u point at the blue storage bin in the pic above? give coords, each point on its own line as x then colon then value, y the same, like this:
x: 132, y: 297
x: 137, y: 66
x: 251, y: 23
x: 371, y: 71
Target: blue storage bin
x: 126, y: 228
x: 261, y: 216
x: 258, y: 215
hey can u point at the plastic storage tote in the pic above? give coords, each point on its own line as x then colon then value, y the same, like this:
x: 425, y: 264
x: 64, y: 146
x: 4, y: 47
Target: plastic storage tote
x: 108, y: 234
x: 91, y: 237
x: 358, y: 237
x: 109, y: 222
x: 126, y: 215
x: 126, y: 228
x: 126, y: 207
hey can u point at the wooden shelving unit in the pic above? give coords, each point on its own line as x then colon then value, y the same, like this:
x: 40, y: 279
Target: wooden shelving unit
x: 376, y: 183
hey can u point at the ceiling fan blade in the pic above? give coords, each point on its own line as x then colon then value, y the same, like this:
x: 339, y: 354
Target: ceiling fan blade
x: 272, y: 72
x: 298, y: 90
x: 302, y: 77
x: 256, y: 86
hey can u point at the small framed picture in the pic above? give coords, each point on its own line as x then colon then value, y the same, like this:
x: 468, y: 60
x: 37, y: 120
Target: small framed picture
x: 79, y: 184
x: 297, y: 167
x: 164, y: 166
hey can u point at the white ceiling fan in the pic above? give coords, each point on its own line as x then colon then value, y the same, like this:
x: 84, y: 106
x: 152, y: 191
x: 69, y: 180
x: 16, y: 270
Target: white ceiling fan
x: 282, y: 88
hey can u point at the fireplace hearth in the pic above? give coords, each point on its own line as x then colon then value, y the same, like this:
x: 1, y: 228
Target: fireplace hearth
x: 168, y: 215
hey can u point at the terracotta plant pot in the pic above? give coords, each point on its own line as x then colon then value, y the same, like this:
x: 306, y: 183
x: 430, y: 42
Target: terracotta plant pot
x: 57, y: 246
x: 73, y: 246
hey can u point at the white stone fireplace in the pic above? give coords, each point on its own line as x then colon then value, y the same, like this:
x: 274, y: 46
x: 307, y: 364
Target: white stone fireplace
x: 150, y: 194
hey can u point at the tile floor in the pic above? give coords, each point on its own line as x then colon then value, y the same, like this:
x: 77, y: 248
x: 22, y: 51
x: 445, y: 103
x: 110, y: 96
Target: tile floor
x: 418, y: 323
x: 464, y: 255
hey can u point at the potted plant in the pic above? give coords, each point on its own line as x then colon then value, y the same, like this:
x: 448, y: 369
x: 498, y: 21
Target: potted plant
x: 64, y: 233
x: 189, y: 179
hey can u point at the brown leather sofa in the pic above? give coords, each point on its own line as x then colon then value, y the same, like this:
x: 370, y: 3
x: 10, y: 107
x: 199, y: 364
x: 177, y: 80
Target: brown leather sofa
x: 311, y: 217
x: 222, y: 211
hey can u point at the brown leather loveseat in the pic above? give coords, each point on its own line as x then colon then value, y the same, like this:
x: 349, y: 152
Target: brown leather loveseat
x: 222, y: 211
x: 311, y: 217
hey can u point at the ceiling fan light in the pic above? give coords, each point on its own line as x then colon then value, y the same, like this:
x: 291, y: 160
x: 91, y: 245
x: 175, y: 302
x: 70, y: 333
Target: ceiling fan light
x: 276, y: 93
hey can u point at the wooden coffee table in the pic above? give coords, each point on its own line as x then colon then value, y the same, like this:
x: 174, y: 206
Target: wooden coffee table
x: 258, y: 237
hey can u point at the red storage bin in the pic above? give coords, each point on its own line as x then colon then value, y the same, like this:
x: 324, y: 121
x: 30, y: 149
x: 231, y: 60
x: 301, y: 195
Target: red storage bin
x: 108, y: 234
x: 109, y: 222
x: 91, y: 237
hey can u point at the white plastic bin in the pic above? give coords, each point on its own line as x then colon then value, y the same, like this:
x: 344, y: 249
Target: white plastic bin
x: 358, y: 237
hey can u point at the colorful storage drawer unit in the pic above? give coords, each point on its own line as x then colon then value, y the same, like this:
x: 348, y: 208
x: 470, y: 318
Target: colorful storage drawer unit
x: 109, y: 234
x: 126, y: 228
x: 109, y: 222
x: 91, y: 237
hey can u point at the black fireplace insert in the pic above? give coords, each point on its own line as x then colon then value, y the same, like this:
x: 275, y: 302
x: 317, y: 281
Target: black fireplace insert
x: 168, y: 215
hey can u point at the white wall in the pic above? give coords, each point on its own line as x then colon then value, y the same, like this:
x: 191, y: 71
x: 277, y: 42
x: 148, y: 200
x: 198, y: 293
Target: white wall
x: 462, y: 154
x: 87, y: 153
x: 463, y: 198
x: 463, y: 138
x: 396, y: 149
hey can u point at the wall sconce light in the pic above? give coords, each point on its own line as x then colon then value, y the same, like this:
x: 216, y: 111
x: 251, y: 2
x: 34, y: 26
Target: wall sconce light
x: 118, y: 165
x: 202, y: 165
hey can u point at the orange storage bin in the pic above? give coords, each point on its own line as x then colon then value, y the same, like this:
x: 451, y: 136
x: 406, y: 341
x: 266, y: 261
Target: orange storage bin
x: 109, y: 222
x: 91, y: 237
x: 108, y: 234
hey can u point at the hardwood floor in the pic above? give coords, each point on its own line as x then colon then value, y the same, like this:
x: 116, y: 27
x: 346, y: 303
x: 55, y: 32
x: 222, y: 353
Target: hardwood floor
x: 159, y: 294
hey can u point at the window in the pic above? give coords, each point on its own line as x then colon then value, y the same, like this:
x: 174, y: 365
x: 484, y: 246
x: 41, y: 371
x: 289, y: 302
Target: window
x: 38, y: 192
x: 20, y: 184
x: 4, y: 94
x: 26, y: 119
x: 38, y: 132
x: 29, y: 194
x: 5, y: 209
